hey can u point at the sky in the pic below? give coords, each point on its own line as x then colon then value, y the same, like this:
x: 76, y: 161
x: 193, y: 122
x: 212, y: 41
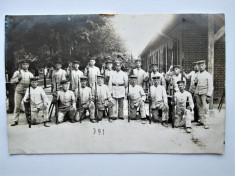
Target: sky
x: 137, y: 30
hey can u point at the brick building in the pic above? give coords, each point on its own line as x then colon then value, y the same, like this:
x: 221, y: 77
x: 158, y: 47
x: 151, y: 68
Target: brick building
x: 189, y: 38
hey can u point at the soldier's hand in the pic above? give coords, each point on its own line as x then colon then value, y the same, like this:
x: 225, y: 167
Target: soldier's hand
x: 171, y: 67
x: 19, y: 77
x: 189, y: 108
x: 208, y: 99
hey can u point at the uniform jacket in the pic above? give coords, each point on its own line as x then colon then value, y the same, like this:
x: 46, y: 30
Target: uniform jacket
x: 141, y: 75
x: 204, y: 84
x: 24, y: 82
x: 158, y: 95
x: 181, y: 99
x: 57, y: 76
x: 136, y: 94
x: 75, y: 77
x: 93, y: 72
x: 85, y: 95
x: 192, y: 76
x: 174, y: 79
x: 66, y: 99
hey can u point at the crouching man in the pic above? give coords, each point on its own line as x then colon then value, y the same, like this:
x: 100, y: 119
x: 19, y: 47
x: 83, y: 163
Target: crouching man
x: 159, y: 104
x: 183, y: 114
x: 103, y: 98
x: 84, y: 96
x: 37, y: 99
x: 66, y: 103
x: 136, y: 96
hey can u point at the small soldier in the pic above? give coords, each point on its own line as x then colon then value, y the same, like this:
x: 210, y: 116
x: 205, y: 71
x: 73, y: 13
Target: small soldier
x: 140, y: 73
x: 58, y: 75
x: 75, y: 75
x: 173, y: 76
x: 103, y: 97
x: 22, y: 78
x: 91, y: 71
x: 184, y: 114
x: 86, y: 99
x: 117, y: 84
x: 193, y: 79
x: 159, y: 102
x: 108, y: 71
x: 203, y: 93
x: 38, y: 102
x: 137, y: 96
x: 66, y: 103
x: 155, y: 73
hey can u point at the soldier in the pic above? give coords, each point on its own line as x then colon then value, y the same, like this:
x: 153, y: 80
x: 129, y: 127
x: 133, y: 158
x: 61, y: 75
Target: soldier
x: 140, y: 73
x: 108, y: 71
x: 192, y: 76
x: 66, y: 103
x: 38, y: 102
x: 203, y: 93
x: 22, y: 78
x: 174, y: 76
x: 84, y: 95
x: 104, y: 98
x: 155, y: 73
x: 75, y: 75
x: 91, y: 71
x: 117, y: 84
x: 159, y: 101
x: 58, y: 75
x: 137, y: 96
x: 183, y: 115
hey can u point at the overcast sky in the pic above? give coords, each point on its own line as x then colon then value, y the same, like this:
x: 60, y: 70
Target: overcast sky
x: 138, y: 30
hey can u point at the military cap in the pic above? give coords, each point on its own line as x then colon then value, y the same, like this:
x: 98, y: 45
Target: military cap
x: 92, y: 58
x: 64, y: 81
x: 76, y: 62
x: 176, y: 66
x: 23, y: 61
x: 33, y: 79
x: 201, y: 62
x: 108, y: 61
x: 58, y: 62
x: 194, y: 63
x: 100, y: 76
x: 133, y: 76
x: 138, y: 60
x: 156, y: 77
x: 83, y: 78
x: 154, y: 64
x: 181, y: 81
x: 117, y: 62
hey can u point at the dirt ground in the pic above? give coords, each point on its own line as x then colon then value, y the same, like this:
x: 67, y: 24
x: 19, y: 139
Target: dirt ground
x: 116, y: 137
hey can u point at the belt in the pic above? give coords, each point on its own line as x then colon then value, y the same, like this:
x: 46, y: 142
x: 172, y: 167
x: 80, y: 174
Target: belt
x: 118, y: 84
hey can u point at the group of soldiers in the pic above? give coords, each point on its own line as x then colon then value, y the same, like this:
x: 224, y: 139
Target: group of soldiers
x: 97, y: 94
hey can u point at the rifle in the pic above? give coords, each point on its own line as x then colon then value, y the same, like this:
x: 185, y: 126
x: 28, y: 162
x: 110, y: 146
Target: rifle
x: 150, y: 101
x: 174, y: 110
x: 129, y: 102
x: 29, y: 114
x: 96, y: 98
x: 56, y: 106
x: 88, y: 82
x: 79, y: 101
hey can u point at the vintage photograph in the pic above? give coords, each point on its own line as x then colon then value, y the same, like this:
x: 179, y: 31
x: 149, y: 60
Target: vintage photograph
x: 115, y: 83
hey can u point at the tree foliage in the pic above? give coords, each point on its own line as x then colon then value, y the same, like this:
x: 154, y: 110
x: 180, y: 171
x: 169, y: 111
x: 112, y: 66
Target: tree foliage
x: 42, y: 39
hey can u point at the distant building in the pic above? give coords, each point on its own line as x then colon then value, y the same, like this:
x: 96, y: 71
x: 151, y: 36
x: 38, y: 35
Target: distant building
x: 189, y: 38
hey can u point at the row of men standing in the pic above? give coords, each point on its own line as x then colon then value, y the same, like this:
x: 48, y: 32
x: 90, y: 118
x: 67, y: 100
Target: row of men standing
x: 116, y: 87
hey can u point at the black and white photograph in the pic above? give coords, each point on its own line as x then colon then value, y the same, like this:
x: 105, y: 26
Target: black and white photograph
x: 115, y: 83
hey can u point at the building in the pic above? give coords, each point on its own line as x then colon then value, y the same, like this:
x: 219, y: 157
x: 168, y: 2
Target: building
x: 189, y: 38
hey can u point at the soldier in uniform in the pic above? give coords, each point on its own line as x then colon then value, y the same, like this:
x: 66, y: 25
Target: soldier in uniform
x: 103, y: 97
x: 91, y: 71
x: 58, y: 75
x: 203, y: 93
x: 183, y: 115
x: 137, y: 96
x: 75, y: 75
x: 140, y: 73
x: 108, y: 71
x: 159, y: 101
x: 22, y: 78
x: 173, y: 76
x: 192, y: 76
x: 155, y: 73
x: 38, y: 102
x: 66, y: 103
x: 84, y: 95
x: 117, y: 84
